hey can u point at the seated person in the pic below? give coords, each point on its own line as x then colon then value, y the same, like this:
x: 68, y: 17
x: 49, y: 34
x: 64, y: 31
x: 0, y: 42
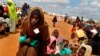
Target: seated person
x: 85, y: 50
x: 65, y: 50
x: 52, y: 49
x: 2, y: 26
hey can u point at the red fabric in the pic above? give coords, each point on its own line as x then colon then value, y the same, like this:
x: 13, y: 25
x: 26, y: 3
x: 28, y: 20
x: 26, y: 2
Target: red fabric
x: 6, y: 9
x: 73, y: 30
x: 50, y: 50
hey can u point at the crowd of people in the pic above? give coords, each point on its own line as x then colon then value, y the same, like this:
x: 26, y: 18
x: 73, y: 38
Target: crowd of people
x: 83, y: 33
x: 35, y: 39
x: 87, y: 32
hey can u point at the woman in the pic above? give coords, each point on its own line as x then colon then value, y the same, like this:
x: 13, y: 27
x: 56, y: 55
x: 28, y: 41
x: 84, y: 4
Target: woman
x: 54, y: 21
x: 35, y: 28
x: 79, y: 23
x: 66, y: 17
x: 13, y: 16
x: 2, y: 21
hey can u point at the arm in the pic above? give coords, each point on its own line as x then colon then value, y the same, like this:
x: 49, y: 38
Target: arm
x: 45, y: 40
x: 44, y: 32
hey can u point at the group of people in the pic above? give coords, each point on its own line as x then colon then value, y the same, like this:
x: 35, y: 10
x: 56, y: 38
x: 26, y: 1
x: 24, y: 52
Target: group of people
x: 4, y: 20
x: 58, y: 18
x: 10, y: 17
x: 35, y: 39
x: 87, y: 32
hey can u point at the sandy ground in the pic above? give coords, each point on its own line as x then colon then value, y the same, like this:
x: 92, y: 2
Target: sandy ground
x: 9, y: 44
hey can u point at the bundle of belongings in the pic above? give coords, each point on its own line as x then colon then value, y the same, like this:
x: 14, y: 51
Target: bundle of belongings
x: 81, y: 35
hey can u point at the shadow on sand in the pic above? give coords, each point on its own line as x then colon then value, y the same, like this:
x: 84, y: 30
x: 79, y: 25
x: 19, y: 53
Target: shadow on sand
x: 3, y: 36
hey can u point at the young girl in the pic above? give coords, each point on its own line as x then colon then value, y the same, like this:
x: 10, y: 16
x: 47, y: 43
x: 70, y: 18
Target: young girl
x: 51, y: 48
x: 36, y: 30
x: 56, y: 34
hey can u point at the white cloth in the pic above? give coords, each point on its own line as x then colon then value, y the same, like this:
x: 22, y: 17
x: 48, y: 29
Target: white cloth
x: 94, y: 31
x: 59, y: 40
x: 36, y: 31
x: 57, y: 50
x: 2, y: 20
x: 59, y: 18
x: 7, y: 20
x: 12, y: 26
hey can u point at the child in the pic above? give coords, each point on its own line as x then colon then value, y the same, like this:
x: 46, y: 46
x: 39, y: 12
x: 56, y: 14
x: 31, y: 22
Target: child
x: 52, y: 47
x: 56, y: 34
x: 73, y: 31
x: 74, y: 50
x: 65, y: 50
x: 85, y: 50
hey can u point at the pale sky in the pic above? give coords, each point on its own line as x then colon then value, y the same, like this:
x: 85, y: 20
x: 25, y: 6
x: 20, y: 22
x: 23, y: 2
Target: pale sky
x: 86, y: 8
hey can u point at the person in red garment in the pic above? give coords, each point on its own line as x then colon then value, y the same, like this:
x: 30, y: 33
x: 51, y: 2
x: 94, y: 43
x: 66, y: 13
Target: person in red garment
x: 73, y: 31
x: 36, y: 30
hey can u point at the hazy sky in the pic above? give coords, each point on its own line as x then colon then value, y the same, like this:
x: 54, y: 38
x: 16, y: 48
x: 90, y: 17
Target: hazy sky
x: 86, y: 8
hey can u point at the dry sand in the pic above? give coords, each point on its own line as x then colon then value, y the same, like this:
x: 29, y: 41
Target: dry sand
x: 9, y: 44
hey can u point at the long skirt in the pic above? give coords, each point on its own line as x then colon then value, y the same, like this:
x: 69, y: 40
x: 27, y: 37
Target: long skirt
x: 26, y: 50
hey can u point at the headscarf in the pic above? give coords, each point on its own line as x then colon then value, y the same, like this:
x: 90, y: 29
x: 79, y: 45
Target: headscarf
x: 88, y: 48
x: 36, y: 11
x: 41, y: 25
x: 42, y: 36
x: 49, y: 50
x: 52, y: 38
